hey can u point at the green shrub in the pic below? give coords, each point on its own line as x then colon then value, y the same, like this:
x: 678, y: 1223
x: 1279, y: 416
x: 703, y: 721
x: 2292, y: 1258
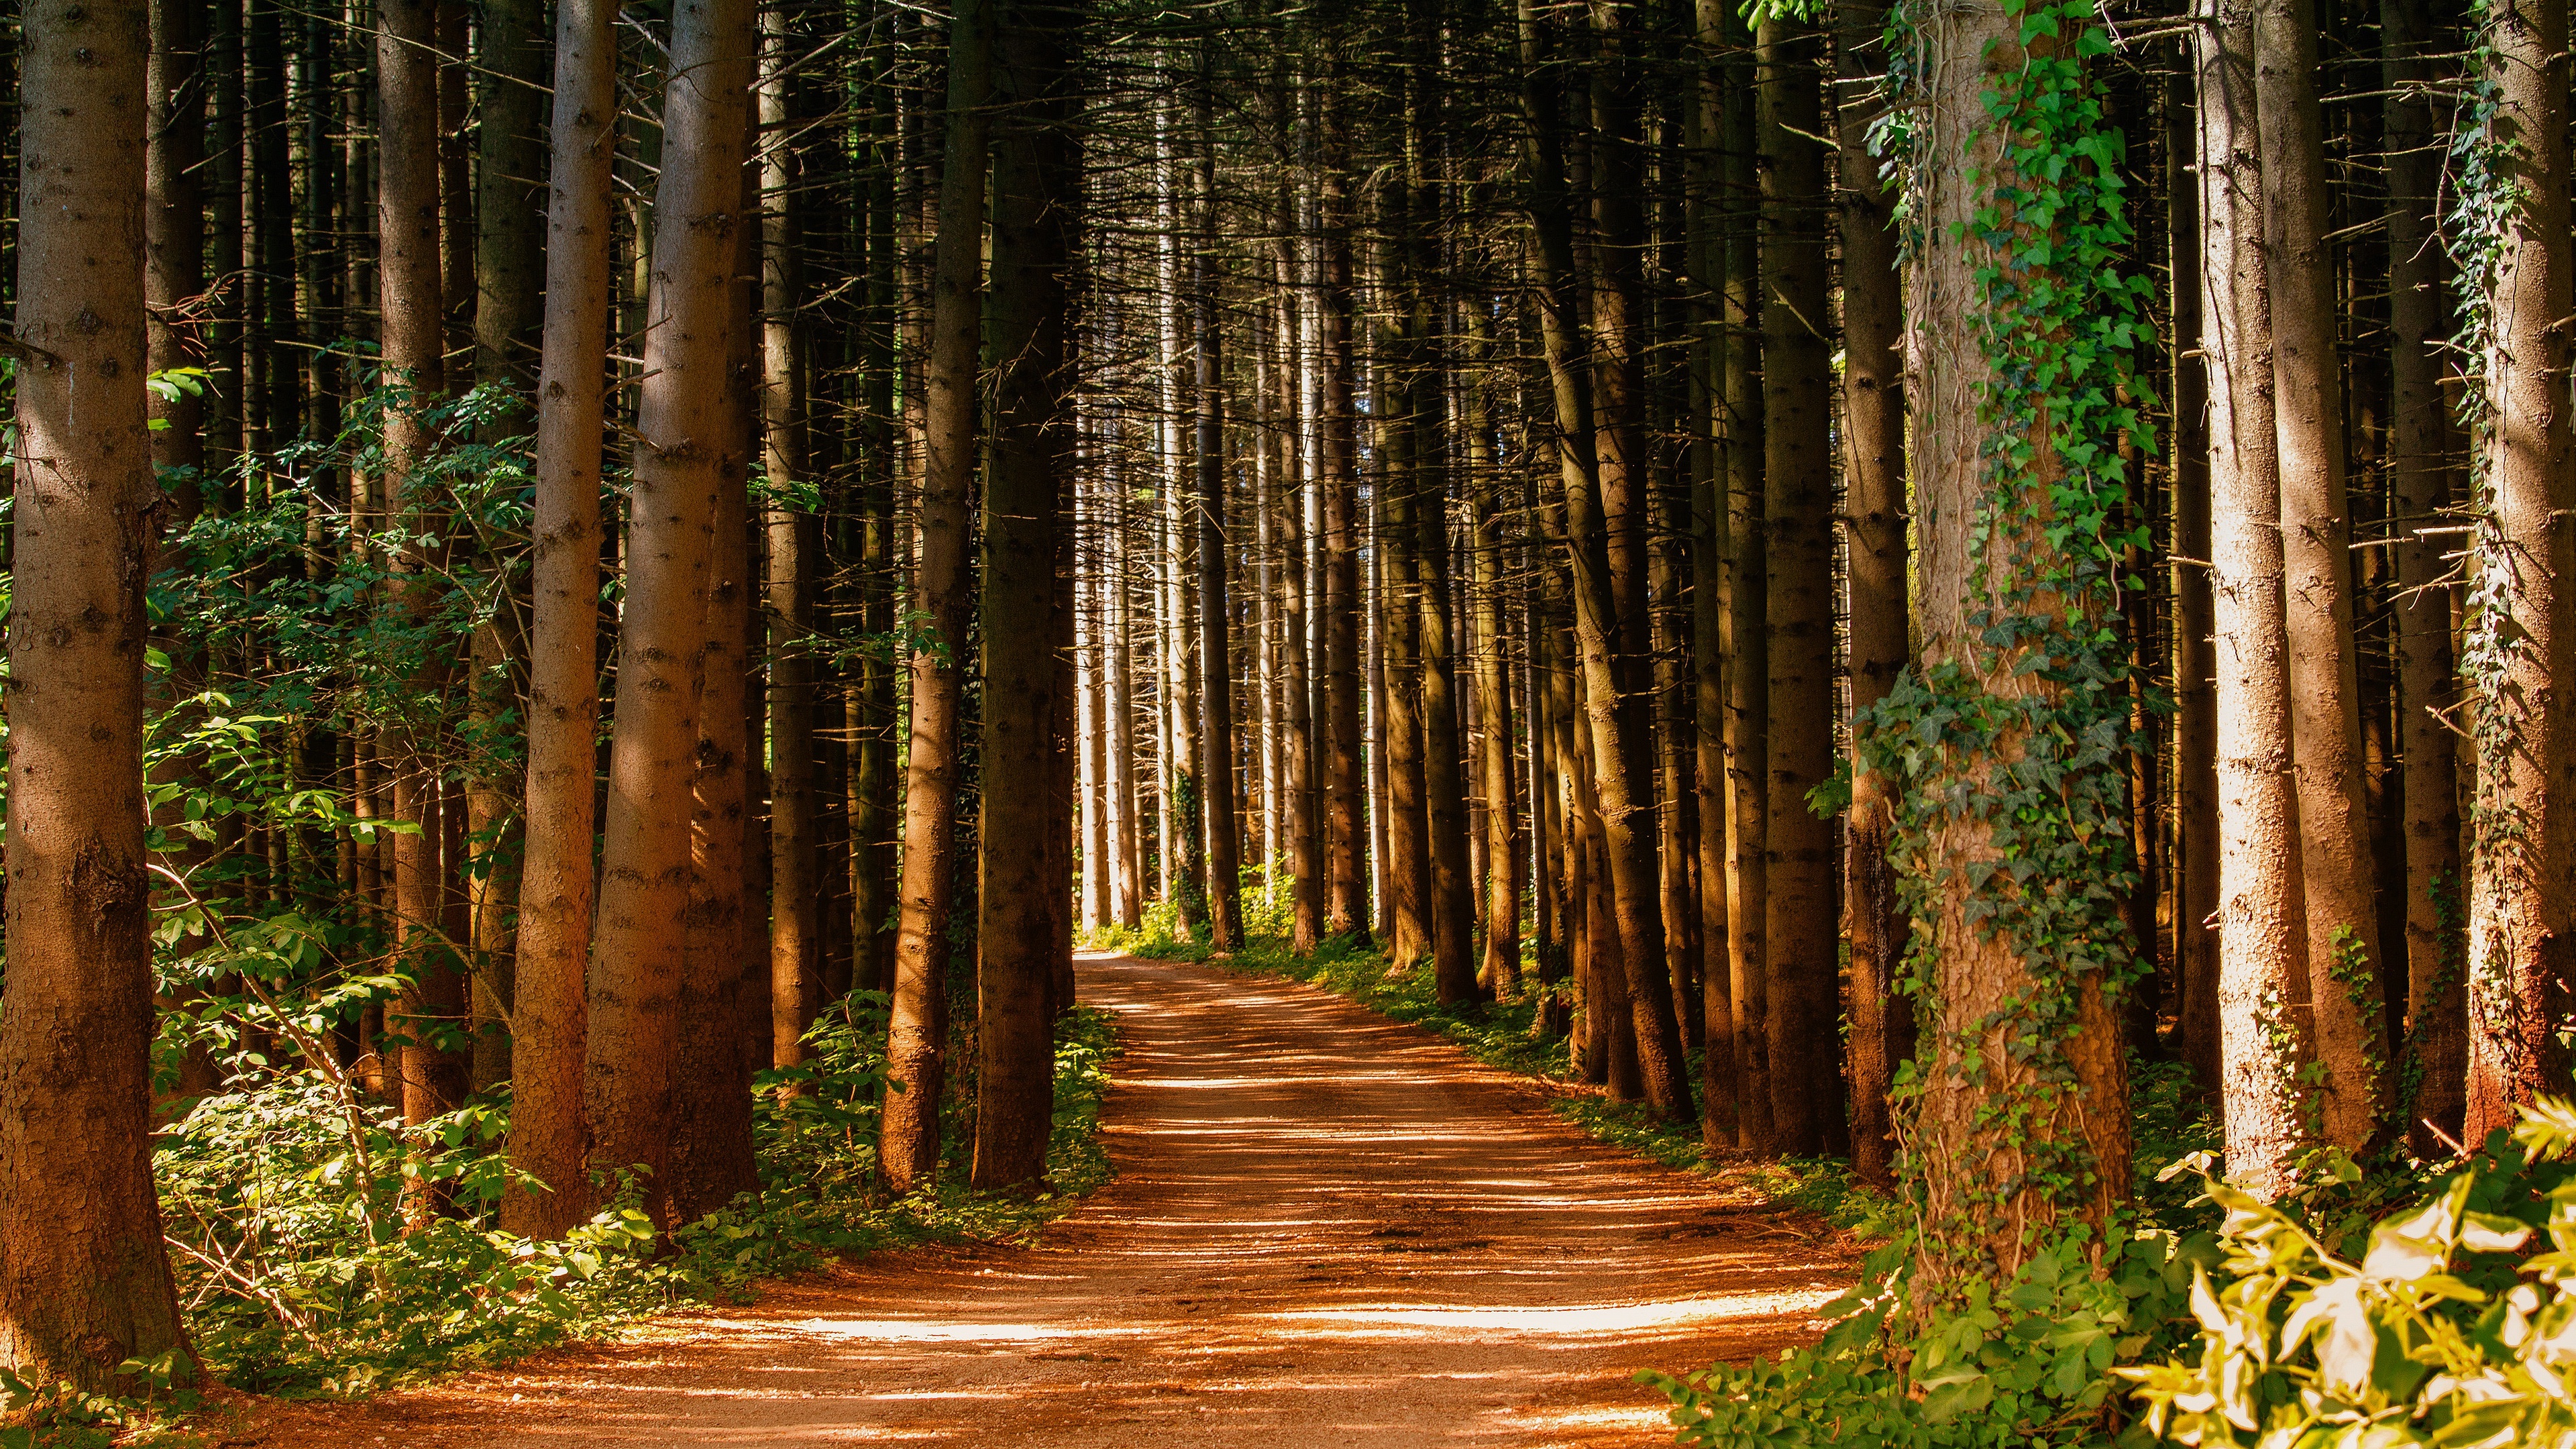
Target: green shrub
x: 2455, y: 1327
x: 282, y: 1196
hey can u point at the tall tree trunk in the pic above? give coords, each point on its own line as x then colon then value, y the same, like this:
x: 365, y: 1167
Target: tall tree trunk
x: 686, y: 421
x: 917, y: 1035
x: 1719, y: 1070
x: 1405, y: 900
x: 174, y: 237
x: 1607, y: 537
x: 2263, y: 958
x: 509, y: 263
x: 1882, y: 1021
x: 1344, y: 782
x: 2420, y: 446
x: 1500, y: 971
x: 727, y: 950
x: 794, y: 981
x: 429, y: 1013
x: 1748, y: 674
x: 548, y: 1139
x: 2022, y: 1051
x: 84, y: 1284
x: 1028, y: 500
x: 2195, y: 730
x: 1216, y: 768
x: 2344, y: 989
x: 1298, y: 480
x: 2517, y: 642
x: 1799, y: 926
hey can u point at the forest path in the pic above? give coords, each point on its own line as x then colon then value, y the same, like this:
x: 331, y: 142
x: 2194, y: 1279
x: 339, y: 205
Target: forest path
x: 1328, y: 1229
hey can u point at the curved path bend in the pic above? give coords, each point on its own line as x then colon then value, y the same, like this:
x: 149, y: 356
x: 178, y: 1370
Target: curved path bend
x: 1328, y: 1230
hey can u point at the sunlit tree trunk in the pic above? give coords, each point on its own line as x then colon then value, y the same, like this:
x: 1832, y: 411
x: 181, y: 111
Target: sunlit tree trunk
x: 1607, y: 529
x: 2021, y: 1051
x: 2518, y: 635
x: 2344, y: 990
x: 548, y: 1140
x: 2264, y: 1026
x: 686, y: 420
x: 1743, y: 583
x: 84, y: 1284
x: 916, y: 1046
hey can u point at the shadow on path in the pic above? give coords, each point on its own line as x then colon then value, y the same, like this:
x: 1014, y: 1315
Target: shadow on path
x: 1329, y: 1229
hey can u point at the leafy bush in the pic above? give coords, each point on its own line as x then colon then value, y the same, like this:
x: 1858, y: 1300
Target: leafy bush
x: 2449, y: 1330
x: 283, y: 1195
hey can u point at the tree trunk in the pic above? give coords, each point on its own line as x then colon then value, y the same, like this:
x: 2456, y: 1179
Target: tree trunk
x: 548, y: 1139
x: 509, y: 264
x: 2516, y: 644
x: 2420, y: 445
x: 2344, y: 989
x: 2195, y: 729
x: 1216, y: 768
x: 1719, y: 1085
x: 917, y: 1035
x: 2023, y: 1126
x: 84, y: 1284
x: 1344, y: 783
x: 2263, y: 960
x: 1028, y: 499
x: 1799, y: 926
x: 794, y: 980
x: 1748, y: 675
x: 429, y: 1013
x: 1882, y: 1021
x: 685, y: 418
x: 1299, y: 478
x: 1500, y: 972
x: 1607, y: 538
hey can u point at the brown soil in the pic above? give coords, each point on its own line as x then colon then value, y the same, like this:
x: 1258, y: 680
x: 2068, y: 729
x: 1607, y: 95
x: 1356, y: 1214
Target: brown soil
x: 1328, y: 1229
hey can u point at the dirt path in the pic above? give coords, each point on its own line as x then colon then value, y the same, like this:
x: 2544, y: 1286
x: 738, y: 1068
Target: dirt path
x: 1328, y: 1230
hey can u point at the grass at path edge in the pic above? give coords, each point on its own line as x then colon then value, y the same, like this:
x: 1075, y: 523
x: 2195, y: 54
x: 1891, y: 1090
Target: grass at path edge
x: 463, y: 1295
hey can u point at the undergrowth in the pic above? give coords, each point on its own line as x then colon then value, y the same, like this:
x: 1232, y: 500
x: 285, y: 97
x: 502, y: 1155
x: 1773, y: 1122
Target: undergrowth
x: 282, y: 1198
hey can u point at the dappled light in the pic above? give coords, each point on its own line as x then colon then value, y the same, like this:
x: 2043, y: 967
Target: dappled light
x: 1328, y: 1228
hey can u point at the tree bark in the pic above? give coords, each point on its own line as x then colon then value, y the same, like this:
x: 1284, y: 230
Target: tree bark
x: 917, y: 1035
x: 548, y: 1137
x: 638, y: 960
x: 428, y: 1014
x: 2008, y: 1072
x: 1028, y: 499
x: 1216, y: 758
x: 1607, y: 537
x: 794, y: 982
x: 1719, y: 1070
x: 2263, y: 959
x: 84, y: 1284
x: 1799, y: 919
x: 1882, y: 1022
x: 2518, y: 636
x: 2335, y: 863
x: 2196, y: 834
x: 2421, y: 446
x: 1748, y: 675
x: 1344, y: 783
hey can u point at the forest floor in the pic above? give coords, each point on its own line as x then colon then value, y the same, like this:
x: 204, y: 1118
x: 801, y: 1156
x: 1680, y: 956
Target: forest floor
x: 1327, y: 1229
